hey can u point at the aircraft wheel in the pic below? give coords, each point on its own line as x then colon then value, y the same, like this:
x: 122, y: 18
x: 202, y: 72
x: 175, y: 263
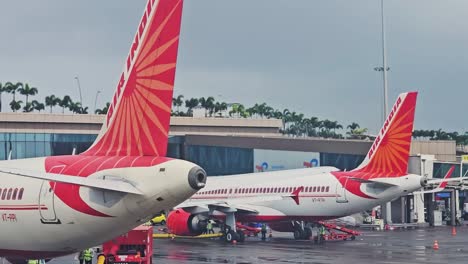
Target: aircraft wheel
x: 307, y: 233
x: 230, y: 236
x: 241, y: 236
x: 298, y: 234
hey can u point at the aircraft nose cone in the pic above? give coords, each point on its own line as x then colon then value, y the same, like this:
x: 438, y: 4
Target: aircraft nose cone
x: 197, y: 178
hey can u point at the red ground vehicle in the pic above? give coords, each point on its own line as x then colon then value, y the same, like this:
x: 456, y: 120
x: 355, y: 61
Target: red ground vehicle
x: 135, y: 247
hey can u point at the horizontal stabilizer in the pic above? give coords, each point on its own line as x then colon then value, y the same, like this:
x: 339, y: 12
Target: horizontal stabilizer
x: 111, y: 184
x: 375, y: 182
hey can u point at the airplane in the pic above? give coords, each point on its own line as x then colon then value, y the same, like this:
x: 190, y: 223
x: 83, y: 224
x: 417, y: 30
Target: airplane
x: 58, y: 205
x: 442, y: 182
x: 283, y: 198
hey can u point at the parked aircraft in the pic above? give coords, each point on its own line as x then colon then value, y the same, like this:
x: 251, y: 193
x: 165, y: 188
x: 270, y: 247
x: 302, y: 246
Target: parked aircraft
x: 53, y: 206
x: 283, y: 198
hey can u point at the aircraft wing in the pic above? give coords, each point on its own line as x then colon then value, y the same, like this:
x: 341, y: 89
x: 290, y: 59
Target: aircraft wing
x: 246, y: 205
x: 110, y: 184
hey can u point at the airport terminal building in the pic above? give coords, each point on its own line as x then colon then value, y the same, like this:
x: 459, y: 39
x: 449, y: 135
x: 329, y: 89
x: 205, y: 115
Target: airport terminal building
x: 225, y: 146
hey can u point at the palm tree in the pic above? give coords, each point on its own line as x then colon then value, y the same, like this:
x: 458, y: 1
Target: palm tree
x: 83, y: 110
x: 177, y: 102
x: 37, y: 106
x: 190, y: 104
x: 51, y: 101
x: 2, y: 90
x: 65, y: 102
x: 353, y: 126
x: 210, y: 103
x: 74, y: 107
x: 12, y: 88
x: 15, y: 105
x: 27, y: 91
x: 218, y: 107
x: 104, y: 110
x: 28, y: 108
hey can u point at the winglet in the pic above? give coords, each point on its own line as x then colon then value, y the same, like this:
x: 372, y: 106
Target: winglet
x: 443, y: 184
x: 295, y: 194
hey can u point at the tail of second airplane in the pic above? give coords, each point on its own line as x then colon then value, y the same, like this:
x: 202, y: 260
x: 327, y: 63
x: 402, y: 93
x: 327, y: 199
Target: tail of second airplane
x: 137, y: 122
x: 389, y: 154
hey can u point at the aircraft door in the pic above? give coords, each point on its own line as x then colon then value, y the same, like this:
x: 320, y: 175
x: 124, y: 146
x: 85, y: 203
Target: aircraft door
x: 47, y: 199
x: 341, y: 192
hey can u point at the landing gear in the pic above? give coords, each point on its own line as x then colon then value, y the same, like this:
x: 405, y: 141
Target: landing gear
x: 230, y: 236
x: 241, y: 235
x: 301, y: 232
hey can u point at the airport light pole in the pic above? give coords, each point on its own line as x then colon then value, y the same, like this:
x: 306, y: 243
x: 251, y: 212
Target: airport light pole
x: 95, y: 100
x: 79, y: 89
x: 387, y: 208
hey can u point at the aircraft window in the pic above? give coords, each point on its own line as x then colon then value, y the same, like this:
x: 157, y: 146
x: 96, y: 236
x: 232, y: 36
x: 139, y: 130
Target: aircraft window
x: 4, y: 193
x: 258, y: 190
x: 323, y: 188
x: 230, y: 191
x: 282, y: 189
x: 327, y: 189
x: 20, y: 194
x: 250, y: 190
x: 10, y: 191
x: 0, y: 191
x: 15, y: 193
x: 315, y: 189
x: 276, y: 190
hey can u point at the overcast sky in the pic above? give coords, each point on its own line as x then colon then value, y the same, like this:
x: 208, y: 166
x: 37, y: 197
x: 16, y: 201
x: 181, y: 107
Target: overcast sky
x: 310, y: 56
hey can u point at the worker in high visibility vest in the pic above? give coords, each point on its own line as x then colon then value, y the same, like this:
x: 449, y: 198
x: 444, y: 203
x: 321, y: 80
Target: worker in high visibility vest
x: 86, y: 256
x: 209, y: 227
x: 33, y: 261
x: 321, y: 234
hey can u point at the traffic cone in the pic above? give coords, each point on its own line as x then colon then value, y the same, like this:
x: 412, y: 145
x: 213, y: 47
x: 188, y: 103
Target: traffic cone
x: 436, y: 245
x: 271, y: 234
x: 454, y: 231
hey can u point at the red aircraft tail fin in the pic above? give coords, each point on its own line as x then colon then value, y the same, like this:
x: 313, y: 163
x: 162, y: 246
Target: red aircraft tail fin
x: 389, y: 154
x: 137, y: 122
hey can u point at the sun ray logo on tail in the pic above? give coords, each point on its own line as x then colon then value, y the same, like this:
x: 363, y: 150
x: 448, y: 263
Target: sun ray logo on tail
x: 138, y: 119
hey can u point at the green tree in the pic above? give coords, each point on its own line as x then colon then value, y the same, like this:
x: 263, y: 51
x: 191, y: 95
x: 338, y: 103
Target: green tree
x: 177, y: 102
x: 51, y: 101
x: 65, y: 102
x: 13, y: 88
x: 27, y: 91
x: 37, y: 106
x: 190, y: 104
x: 3, y: 89
x: 74, y: 107
x: 28, y: 108
x: 15, y: 105
x: 104, y: 110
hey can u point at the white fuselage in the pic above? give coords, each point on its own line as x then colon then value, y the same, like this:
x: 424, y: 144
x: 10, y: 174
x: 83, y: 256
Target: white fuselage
x: 323, y: 196
x: 38, y: 223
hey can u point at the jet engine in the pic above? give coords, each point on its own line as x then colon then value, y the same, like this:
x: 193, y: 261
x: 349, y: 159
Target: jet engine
x: 182, y: 223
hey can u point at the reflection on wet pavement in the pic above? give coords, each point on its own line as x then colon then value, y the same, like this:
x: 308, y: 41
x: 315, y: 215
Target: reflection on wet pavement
x: 407, y: 246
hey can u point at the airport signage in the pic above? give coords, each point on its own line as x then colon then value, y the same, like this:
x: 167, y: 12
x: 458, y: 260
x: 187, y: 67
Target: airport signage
x: 274, y: 160
x: 464, y: 158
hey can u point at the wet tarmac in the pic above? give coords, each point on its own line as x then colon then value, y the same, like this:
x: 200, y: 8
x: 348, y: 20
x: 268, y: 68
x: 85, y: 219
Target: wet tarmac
x: 406, y: 246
